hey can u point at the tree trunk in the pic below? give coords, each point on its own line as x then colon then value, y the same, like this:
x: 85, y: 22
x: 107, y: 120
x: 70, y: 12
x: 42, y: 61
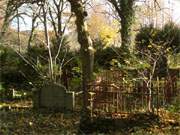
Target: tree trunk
x: 86, y: 50
x: 150, y: 98
x: 8, y: 13
x: 34, y: 18
x: 125, y: 12
x: 127, y: 17
x: 48, y: 43
x: 18, y: 30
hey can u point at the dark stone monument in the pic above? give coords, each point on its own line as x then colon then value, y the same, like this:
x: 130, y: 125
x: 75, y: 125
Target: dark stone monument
x: 54, y: 96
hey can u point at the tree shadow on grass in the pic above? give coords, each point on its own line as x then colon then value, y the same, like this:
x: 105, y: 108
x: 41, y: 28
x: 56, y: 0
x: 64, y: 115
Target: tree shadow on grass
x: 123, y: 125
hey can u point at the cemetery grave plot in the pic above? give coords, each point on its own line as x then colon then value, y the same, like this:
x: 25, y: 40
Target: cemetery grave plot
x: 54, y: 96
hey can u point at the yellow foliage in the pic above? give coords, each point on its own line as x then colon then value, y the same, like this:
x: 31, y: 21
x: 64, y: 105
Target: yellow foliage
x: 100, y: 28
x: 107, y: 34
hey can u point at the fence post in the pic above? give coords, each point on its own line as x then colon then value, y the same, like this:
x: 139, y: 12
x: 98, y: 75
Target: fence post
x: 158, y: 95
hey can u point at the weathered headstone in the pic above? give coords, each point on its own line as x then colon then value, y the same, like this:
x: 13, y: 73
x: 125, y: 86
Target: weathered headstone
x: 54, y: 96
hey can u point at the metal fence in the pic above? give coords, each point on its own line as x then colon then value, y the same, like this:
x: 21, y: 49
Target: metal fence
x: 110, y: 94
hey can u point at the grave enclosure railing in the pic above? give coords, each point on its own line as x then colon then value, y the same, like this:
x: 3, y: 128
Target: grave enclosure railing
x: 107, y: 99
x: 114, y: 93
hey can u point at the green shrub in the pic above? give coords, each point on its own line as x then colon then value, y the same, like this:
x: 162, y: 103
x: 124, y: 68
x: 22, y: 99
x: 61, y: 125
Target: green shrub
x: 155, y: 41
x: 15, y: 72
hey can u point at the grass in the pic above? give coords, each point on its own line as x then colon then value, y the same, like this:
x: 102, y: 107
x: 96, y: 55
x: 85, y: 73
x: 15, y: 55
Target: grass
x: 22, y: 121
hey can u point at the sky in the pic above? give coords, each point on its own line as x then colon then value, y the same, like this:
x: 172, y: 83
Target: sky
x: 175, y: 4
x: 176, y: 12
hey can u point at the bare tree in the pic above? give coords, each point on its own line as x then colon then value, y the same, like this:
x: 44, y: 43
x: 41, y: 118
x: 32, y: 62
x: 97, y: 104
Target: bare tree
x: 11, y: 8
x: 152, y: 59
x: 59, y: 18
x: 35, y: 15
x: 45, y: 23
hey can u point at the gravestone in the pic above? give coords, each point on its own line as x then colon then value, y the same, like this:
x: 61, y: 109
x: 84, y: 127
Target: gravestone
x: 54, y: 96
